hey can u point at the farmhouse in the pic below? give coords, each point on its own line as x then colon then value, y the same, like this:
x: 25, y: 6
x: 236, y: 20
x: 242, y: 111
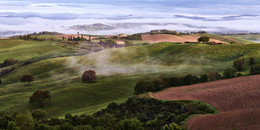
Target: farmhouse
x: 122, y: 35
x: 120, y: 42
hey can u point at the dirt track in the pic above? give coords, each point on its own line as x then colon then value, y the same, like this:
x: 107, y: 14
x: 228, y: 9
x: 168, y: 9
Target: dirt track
x: 237, y: 101
x: 172, y: 38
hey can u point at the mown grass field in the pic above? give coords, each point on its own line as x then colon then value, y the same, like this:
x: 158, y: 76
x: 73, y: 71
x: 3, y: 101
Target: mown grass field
x: 118, y: 70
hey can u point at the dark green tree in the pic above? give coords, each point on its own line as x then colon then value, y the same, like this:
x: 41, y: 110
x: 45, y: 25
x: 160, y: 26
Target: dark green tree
x: 27, y: 78
x: 255, y: 70
x: 239, y: 64
x: 40, y: 97
x: 204, y: 39
x: 251, y: 61
x: 129, y: 124
x: 39, y: 115
x: 229, y: 73
x: 190, y: 79
x: 204, y: 78
x: 24, y: 121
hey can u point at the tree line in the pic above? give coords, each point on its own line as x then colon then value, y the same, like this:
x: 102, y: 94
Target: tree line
x: 134, y: 114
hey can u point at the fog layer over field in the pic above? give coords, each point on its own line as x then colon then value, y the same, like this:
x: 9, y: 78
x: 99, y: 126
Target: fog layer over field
x: 107, y: 63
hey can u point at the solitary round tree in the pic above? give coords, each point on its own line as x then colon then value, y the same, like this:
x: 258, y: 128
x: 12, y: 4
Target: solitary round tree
x: 203, y: 39
x: 27, y: 78
x: 40, y: 97
x: 89, y: 76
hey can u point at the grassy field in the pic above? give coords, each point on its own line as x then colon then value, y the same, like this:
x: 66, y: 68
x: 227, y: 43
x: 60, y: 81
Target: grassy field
x: 252, y: 37
x: 118, y: 70
x: 28, y: 50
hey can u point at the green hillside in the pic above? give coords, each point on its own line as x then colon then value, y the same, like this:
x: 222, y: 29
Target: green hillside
x: 118, y: 70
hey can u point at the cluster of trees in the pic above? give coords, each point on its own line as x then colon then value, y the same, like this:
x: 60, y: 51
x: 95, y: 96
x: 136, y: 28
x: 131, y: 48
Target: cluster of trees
x: 26, y: 37
x: 47, y: 33
x: 6, y: 63
x: 30, y: 37
x: 164, y: 31
x: 134, y: 37
x: 144, y: 86
x: 239, y: 64
x: 76, y: 38
x: 134, y: 114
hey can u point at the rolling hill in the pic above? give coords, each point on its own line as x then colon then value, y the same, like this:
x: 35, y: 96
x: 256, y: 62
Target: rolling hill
x: 236, y: 101
x: 59, y: 70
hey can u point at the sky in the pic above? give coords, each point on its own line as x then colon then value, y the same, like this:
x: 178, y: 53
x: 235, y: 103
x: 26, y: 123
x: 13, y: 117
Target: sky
x: 184, y: 15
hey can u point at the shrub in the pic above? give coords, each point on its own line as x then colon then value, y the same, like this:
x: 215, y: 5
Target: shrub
x: 213, y: 75
x: 204, y: 78
x: 0, y: 81
x: 255, y: 70
x: 40, y: 97
x: 10, y: 61
x: 229, y: 73
x: 129, y: 124
x: 172, y: 126
x: 39, y: 115
x: 190, y: 79
x: 175, y: 81
x: 239, y: 75
x: 238, y: 64
x: 89, y: 76
x: 24, y: 121
x: 143, y: 86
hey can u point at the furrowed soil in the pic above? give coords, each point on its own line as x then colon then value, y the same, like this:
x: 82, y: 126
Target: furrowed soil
x: 237, y: 102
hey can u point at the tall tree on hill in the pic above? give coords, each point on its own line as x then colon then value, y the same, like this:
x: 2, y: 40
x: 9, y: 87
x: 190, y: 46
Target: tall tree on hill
x: 204, y: 39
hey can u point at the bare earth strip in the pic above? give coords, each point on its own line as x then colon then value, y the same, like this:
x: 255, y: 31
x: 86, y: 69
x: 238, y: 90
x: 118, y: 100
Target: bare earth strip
x: 237, y: 101
x: 172, y: 38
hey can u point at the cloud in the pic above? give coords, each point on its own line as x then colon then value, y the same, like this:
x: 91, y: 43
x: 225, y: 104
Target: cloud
x: 56, y: 15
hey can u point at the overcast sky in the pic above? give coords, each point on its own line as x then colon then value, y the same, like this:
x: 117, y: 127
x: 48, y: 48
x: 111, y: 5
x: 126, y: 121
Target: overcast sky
x: 57, y: 15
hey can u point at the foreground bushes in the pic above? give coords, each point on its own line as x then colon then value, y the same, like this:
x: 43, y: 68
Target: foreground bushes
x: 133, y: 114
x: 255, y: 70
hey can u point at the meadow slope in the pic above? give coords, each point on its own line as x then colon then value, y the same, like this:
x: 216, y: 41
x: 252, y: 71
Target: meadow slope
x: 118, y: 70
x: 237, y: 101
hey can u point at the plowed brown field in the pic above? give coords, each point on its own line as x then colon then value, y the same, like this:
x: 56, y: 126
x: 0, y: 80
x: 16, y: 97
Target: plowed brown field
x: 172, y: 38
x: 237, y: 101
